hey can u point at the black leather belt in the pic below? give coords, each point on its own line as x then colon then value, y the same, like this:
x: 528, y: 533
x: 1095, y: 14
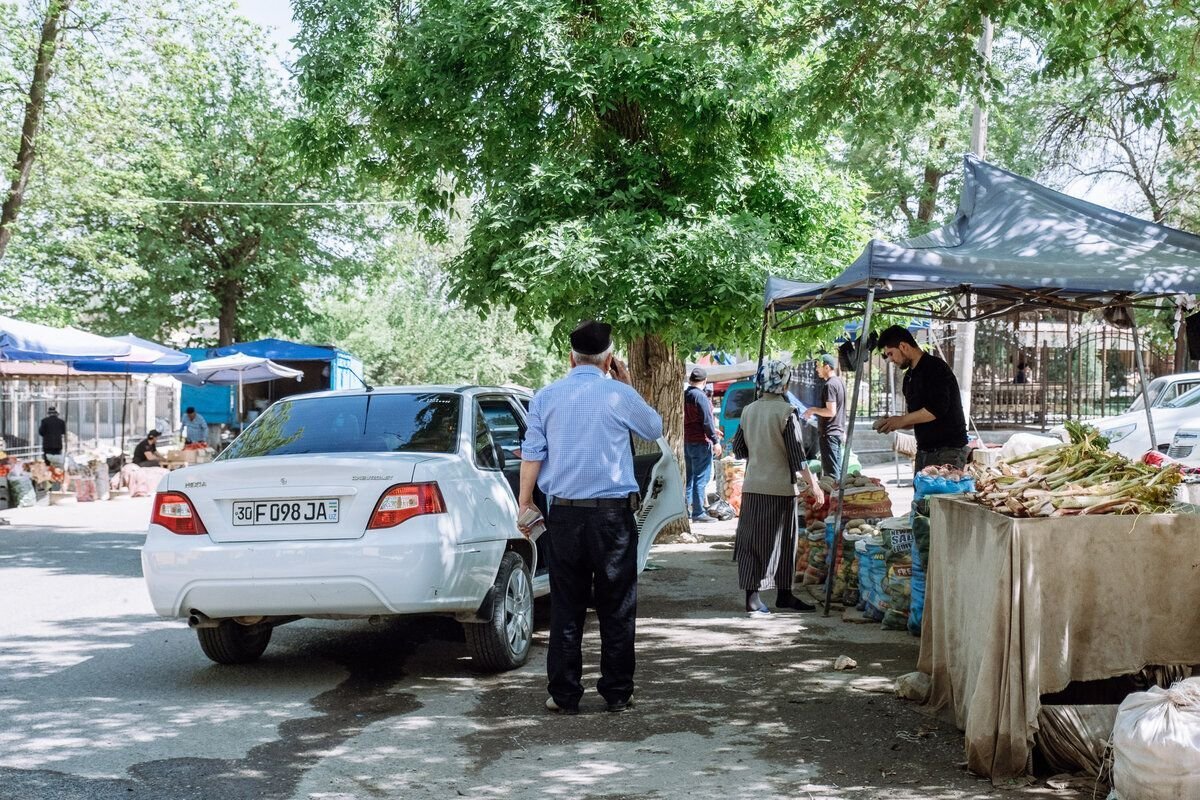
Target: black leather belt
x: 631, y: 502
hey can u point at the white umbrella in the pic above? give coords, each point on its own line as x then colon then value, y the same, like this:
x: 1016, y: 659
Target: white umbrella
x: 28, y: 341
x: 727, y: 372
x: 239, y: 369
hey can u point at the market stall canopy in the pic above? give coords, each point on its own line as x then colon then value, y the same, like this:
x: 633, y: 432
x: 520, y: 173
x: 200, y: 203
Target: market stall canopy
x: 278, y: 350
x: 239, y: 369
x: 1015, y: 244
x: 28, y: 341
x: 145, y: 358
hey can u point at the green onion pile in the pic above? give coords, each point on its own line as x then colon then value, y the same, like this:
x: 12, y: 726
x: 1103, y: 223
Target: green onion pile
x: 1082, y: 477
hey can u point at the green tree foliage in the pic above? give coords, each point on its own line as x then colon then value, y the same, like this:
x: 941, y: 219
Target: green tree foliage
x: 635, y: 162
x: 911, y: 158
x: 176, y: 101
x: 218, y: 123
x: 101, y: 46
x: 406, y: 330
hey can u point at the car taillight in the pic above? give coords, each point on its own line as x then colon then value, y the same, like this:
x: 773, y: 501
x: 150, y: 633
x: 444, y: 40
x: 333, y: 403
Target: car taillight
x: 176, y: 513
x: 405, y: 501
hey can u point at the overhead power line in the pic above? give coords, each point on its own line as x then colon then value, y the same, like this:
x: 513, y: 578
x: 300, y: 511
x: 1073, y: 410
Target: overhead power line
x: 289, y: 203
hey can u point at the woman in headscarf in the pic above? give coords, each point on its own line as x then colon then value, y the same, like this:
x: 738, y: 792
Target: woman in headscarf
x: 769, y: 439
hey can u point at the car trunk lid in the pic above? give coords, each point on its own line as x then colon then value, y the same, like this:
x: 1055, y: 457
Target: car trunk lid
x: 293, y: 498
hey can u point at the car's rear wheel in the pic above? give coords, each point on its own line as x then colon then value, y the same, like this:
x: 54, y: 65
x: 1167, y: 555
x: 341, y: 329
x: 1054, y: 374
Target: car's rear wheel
x: 502, y: 641
x: 231, y: 643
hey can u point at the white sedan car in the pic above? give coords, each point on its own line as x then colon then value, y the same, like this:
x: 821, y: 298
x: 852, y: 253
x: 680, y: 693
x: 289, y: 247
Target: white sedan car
x: 365, y: 503
x: 1129, y: 435
x: 1185, y: 447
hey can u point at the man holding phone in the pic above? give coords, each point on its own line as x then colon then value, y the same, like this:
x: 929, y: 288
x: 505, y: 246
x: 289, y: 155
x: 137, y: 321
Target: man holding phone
x: 577, y: 450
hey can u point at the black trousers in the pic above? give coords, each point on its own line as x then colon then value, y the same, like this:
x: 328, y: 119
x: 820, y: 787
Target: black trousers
x: 592, y: 555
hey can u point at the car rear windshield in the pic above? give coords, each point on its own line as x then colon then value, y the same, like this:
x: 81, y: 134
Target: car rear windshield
x: 369, y: 423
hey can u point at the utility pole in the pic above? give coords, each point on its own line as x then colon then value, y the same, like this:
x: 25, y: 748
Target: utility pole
x: 964, y: 332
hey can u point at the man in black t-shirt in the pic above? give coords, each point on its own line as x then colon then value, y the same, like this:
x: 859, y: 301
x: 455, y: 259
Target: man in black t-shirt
x: 935, y: 411
x: 831, y: 416
x: 146, y: 452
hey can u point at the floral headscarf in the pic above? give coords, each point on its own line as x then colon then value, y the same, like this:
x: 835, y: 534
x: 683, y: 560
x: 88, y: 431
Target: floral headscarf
x: 773, y: 377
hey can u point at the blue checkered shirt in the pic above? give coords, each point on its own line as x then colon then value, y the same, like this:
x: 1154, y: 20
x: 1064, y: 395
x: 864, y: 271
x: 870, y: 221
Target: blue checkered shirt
x: 579, y: 428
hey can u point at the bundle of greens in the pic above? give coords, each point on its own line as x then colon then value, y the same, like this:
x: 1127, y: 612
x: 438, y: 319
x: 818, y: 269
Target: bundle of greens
x: 1082, y: 477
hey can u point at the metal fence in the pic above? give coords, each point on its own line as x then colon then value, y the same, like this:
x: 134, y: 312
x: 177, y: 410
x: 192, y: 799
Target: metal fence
x: 100, y: 411
x: 1074, y: 368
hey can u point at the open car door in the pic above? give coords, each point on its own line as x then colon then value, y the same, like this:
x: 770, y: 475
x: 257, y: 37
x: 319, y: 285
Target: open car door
x: 662, y: 496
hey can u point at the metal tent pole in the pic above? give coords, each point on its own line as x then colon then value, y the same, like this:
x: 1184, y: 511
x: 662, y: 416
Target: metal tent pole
x: 859, y: 354
x: 124, y: 416
x: 1141, y: 368
x: 762, y: 350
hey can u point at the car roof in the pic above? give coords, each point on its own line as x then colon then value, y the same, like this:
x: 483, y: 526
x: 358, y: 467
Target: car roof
x: 467, y: 389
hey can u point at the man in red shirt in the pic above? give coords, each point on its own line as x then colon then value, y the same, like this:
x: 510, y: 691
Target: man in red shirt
x: 700, y: 440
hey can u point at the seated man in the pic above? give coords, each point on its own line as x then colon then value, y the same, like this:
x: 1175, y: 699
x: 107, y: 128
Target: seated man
x: 146, y: 452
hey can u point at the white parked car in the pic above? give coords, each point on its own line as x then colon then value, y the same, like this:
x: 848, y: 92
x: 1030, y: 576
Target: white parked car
x: 361, y: 503
x: 1129, y: 435
x: 1185, y: 447
x: 1165, y: 389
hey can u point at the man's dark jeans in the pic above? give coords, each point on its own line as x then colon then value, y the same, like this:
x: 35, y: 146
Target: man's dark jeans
x: 592, y: 554
x: 947, y: 456
x: 831, y: 456
x: 698, y: 457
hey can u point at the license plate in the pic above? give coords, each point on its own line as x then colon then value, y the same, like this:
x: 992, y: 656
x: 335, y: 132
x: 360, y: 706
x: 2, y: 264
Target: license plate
x: 285, y: 512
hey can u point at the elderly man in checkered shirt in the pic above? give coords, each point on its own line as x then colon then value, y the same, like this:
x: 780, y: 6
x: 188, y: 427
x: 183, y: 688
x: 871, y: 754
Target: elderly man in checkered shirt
x: 577, y: 451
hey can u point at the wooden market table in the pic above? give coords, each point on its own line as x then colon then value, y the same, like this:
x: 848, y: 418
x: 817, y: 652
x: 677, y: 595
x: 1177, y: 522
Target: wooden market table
x: 1019, y: 608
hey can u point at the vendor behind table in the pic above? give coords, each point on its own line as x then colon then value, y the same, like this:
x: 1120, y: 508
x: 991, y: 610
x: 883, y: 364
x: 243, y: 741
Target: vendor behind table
x: 932, y: 397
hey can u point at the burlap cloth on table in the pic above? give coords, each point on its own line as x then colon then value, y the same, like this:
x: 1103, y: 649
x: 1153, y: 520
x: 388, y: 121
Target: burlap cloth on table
x: 1017, y: 608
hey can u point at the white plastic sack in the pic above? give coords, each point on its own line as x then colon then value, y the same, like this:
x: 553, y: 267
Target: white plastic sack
x: 1156, y: 744
x: 1022, y: 444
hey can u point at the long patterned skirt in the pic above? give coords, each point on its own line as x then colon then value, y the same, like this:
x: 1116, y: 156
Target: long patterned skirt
x: 765, y: 545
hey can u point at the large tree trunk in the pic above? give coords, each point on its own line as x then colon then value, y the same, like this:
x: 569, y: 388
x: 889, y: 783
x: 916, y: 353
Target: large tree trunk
x: 927, y: 204
x: 26, y: 152
x: 658, y: 374
x: 227, y: 317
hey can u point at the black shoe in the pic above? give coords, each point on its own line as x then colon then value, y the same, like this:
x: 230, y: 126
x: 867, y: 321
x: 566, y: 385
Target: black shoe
x: 789, y: 602
x: 618, y: 706
x: 557, y: 709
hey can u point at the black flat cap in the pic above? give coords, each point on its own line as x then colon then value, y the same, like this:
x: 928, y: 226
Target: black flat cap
x: 591, y: 338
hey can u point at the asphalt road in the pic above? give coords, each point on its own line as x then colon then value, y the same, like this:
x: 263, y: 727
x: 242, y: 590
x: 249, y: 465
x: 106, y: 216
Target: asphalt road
x: 101, y: 699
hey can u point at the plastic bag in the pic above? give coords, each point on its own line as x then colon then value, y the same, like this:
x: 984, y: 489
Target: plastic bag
x: 925, y: 485
x: 871, y: 571
x: 20, y: 490
x: 721, y: 510
x: 1156, y: 744
x: 920, y: 556
x: 815, y: 568
x: 897, y: 582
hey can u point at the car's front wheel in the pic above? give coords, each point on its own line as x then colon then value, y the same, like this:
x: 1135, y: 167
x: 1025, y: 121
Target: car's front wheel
x: 502, y: 641
x: 232, y: 643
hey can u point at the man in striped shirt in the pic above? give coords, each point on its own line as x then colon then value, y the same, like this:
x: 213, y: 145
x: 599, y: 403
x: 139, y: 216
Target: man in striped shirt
x: 577, y: 450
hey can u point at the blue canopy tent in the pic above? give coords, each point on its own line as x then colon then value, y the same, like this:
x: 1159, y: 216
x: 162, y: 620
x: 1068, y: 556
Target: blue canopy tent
x: 324, y: 368
x: 1013, y: 244
x: 276, y: 350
